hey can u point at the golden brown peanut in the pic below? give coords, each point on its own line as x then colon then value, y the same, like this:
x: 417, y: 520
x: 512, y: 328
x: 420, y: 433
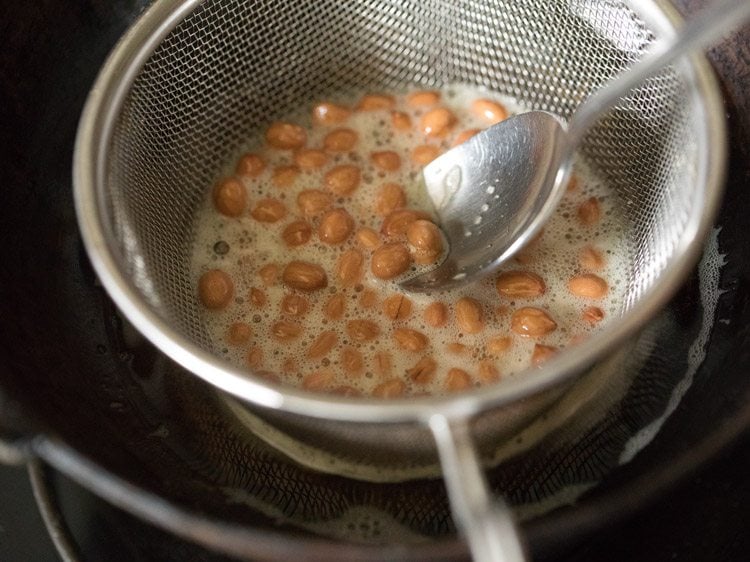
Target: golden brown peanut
x: 284, y: 176
x: 285, y: 331
x: 239, y: 333
x: 488, y: 372
x: 465, y: 135
x: 373, y: 102
x: 423, y: 371
x: 390, y: 198
x: 593, y: 315
x: 296, y: 233
x: 382, y: 364
x: 457, y: 380
x: 436, y: 314
x: 368, y: 299
x: 520, y: 284
x: 286, y: 136
x: 589, y: 212
x: 532, y: 322
x: 362, y: 330
x: 392, y: 388
x: 250, y: 166
x: 350, y: 267
x: 397, y: 307
x: 322, y: 345
x: 368, y: 238
x: 310, y: 159
x: 456, y: 348
x: 269, y: 274
x: 498, y: 345
x: 346, y: 390
x: 268, y: 210
x: 343, y: 179
x: 423, y: 98
x: 591, y: 258
x: 230, y: 197
x: 335, y: 307
x: 389, y: 261
x: 469, y: 316
x: 254, y: 357
x: 295, y: 305
x: 289, y: 366
x: 340, y: 140
x: 386, y: 160
x: 319, y: 380
x: 397, y: 222
x: 410, y: 340
x: 437, y: 122
x: 257, y: 297
x: 351, y: 361
x: 588, y: 285
x: 400, y: 121
x: 327, y: 113
x: 215, y: 289
x: 573, y: 184
x: 490, y: 111
x: 313, y: 202
x: 425, y: 239
x: 541, y: 353
x: 304, y: 276
x: 424, y: 154
x: 335, y: 226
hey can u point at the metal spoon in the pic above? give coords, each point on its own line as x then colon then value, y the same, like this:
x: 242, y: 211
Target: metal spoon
x: 493, y: 193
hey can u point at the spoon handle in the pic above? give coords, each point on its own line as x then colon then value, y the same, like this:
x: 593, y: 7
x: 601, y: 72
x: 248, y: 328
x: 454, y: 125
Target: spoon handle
x: 712, y: 22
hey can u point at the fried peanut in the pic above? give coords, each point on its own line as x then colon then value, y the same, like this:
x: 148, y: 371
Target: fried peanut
x: 304, y: 276
x: 286, y: 136
x: 390, y: 197
x: 465, y: 135
x: 268, y: 210
x: 457, y: 380
x: 310, y: 159
x: 436, y: 314
x: 588, y: 285
x: 392, y: 388
x: 593, y: 315
x: 313, y: 202
x: 532, y: 322
x: 296, y: 233
x: 230, y: 197
x: 498, y: 345
x: 424, y: 98
x: 343, y: 179
x: 285, y: 330
x: 386, y: 160
x: 520, y: 284
x: 327, y: 113
x: 469, y: 316
x: 488, y: 372
x: 257, y: 297
x: 351, y: 361
x: 382, y: 364
x: 239, y: 333
x: 340, y: 140
x: 250, y: 165
x: 368, y: 299
x: 490, y: 111
x: 335, y: 307
x: 424, y: 154
x: 350, y: 267
x: 362, y: 330
x: 456, y: 348
x: 335, y: 226
x: 397, y: 307
x: 284, y: 176
x: 423, y: 371
x: 319, y: 380
x: 589, y: 212
x: 254, y: 357
x: 400, y: 121
x: 437, y: 122
x: 541, y: 353
x: 425, y: 240
x: 389, y: 261
x: 269, y: 274
x: 397, y: 222
x: 373, y: 102
x: 591, y: 258
x: 322, y: 345
x: 295, y: 305
x: 410, y: 340
x: 346, y: 390
x: 215, y: 289
x: 368, y: 238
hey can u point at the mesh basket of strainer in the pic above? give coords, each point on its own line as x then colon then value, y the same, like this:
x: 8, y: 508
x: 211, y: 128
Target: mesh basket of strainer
x: 192, y: 81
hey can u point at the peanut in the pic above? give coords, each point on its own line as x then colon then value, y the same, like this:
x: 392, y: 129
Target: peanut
x: 490, y: 111
x: 346, y: 390
x: 215, y: 289
x: 285, y: 331
x: 368, y: 238
x: 258, y: 297
x: 457, y: 380
x: 295, y: 305
x: 424, y: 154
x: 340, y: 140
x: 284, y: 176
x: 456, y: 348
x: 436, y: 314
x: 239, y: 333
x: 423, y: 371
x: 488, y: 372
x: 286, y: 136
x: 250, y: 165
x: 296, y: 233
x: 426, y: 241
x: 268, y: 210
x: 465, y: 135
x: 319, y: 380
x: 230, y: 197
x: 397, y: 222
x: 532, y: 322
x: 343, y: 179
x: 386, y: 160
x: 397, y: 307
x: 423, y: 98
x: 588, y: 285
x: 389, y: 261
x: 589, y: 212
x: 373, y: 102
x: 498, y: 345
x: 368, y: 299
x: 350, y: 267
x: 304, y: 276
x: 351, y: 361
x: 400, y: 121
x: 269, y: 273
x: 313, y: 202
x: 327, y: 113
x: 593, y: 315
x: 590, y: 258
x: 310, y: 159
x: 335, y: 226
x: 335, y: 307
x: 390, y: 197
x: 520, y: 284
x: 382, y: 364
x: 410, y: 340
x: 437, y: 122
x: 469, y: 316
x: 392, y: 388
x: 362, y: 330
x: 322, y: 345
x: 541, y: 353
x: 254, y: 357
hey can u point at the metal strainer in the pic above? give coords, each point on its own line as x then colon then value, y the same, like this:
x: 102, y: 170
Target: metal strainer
x: 193, y: 81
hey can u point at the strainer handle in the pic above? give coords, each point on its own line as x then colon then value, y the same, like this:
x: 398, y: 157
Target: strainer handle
x: 486, y: 522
